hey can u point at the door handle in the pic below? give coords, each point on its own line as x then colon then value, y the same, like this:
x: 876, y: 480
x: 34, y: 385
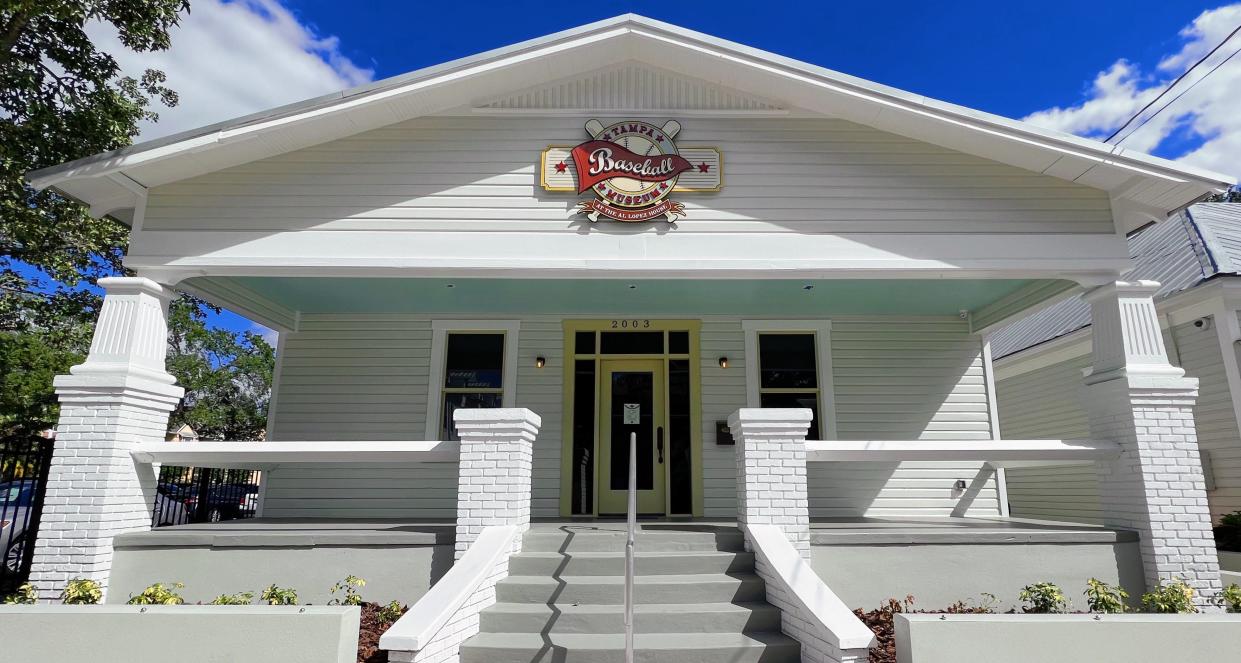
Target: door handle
x: 659, y: 443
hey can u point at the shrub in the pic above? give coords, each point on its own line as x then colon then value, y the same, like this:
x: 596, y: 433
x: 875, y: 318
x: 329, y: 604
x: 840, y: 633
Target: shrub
x: 1230, y: 598
x: 81, y: 591
x: 1102, y: 597
x: 349, y: 587
x: 240, y: 598
x: 1043, y: 597
x: 25, y: 595
x: 279, y: 595
x: 1173, y: 597
x: 1228, y: 532
x: 393, y: 611
x: 158, y: 594
x: 1231, y: 520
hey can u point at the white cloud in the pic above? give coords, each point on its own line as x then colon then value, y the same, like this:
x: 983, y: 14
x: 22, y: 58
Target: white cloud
x: 269, y: 335
x: 1211, y: 110
x: 232, y: 58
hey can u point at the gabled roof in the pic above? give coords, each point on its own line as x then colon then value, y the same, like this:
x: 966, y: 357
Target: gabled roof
x: 1145, y: 185
x: 1199, y: 243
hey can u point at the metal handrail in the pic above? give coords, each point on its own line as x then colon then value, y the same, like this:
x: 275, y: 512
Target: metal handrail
x: 632, y: 522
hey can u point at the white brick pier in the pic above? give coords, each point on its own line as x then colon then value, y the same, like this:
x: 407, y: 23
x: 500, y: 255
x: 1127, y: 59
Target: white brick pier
x: 1137, y: 399
x: 494, y: 477
x: 118, y: 398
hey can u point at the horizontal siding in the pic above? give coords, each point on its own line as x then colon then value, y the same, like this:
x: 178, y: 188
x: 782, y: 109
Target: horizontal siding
x: 905, y: 379
x: 1046, y: 403
x: 1213, y: 414
x: 480, y: 173
x: 365, y: 377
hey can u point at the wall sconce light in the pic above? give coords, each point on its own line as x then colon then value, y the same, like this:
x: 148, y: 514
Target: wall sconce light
x: 723, y: 362
x: 539, y: 362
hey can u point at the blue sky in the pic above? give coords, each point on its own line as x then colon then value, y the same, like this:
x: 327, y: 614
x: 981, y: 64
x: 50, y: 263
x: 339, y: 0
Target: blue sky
x: 1081, y: 67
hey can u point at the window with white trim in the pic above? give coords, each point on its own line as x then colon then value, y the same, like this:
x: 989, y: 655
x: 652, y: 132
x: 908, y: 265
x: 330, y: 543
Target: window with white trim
x: 473, y: 365
x: 788, y: 365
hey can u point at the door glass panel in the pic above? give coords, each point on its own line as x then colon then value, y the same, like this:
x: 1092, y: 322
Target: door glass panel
x: 787, y: 361
x: 794, y: 400
x: 584, y: 343
x: 678, y: 342
x: 680, y: 462
x: 583, y: 434
x: 632, y: 388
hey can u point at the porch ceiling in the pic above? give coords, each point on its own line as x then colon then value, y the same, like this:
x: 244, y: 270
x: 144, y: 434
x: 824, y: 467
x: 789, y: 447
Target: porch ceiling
x: 668, y: 298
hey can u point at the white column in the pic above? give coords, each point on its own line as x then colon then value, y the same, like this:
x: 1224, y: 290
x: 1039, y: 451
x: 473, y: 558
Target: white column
x: 493, y: 482
x: 118, y: 398
x: 1137, y: 399
x: 771, y: 471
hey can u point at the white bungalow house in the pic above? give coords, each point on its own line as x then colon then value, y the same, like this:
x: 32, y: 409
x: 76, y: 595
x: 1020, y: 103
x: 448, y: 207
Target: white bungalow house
x: 1196, y: 256
x: 489, y: 273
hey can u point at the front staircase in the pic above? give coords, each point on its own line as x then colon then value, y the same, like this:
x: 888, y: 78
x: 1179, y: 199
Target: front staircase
x: 697, y: 600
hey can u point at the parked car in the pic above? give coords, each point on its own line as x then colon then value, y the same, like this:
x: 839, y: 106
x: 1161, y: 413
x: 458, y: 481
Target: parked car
x: 224, y: 501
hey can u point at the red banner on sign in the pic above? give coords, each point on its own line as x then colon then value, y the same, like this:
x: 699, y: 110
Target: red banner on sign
x: 599, y: 160
x: 669, y: 208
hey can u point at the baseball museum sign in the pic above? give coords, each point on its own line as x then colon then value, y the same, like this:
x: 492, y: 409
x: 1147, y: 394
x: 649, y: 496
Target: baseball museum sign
x: 632, y: 167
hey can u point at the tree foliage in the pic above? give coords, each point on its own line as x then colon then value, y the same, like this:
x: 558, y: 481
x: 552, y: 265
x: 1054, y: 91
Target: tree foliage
x: 61, y: 99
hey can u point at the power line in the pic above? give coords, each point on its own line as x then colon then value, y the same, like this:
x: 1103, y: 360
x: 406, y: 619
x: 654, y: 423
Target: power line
x: 1173, y: 84
x: 1183, y: 92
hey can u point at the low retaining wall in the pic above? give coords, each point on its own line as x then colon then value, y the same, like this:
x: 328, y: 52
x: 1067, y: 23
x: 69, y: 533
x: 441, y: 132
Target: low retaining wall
x: 186, y: 634
x: 1043, y: 638
x: 865, y: 575
x: 396, y: 563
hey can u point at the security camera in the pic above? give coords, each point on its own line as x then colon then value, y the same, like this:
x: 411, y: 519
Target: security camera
x: 1202, y: 323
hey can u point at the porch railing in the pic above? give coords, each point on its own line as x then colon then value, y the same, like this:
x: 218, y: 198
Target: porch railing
x: 267, y: 454
x: 997, y: 453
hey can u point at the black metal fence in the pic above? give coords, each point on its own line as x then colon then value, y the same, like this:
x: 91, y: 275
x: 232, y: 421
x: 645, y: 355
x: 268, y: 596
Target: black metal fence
x: 204, y: 495
x: 24, y: 467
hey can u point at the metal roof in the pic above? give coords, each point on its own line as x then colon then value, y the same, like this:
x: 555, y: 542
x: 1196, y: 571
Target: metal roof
x: 114, y: 180
x: 1188, y: 248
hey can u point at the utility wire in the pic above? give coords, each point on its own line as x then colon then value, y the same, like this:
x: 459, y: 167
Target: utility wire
x: 1173, y: 100
x: 1173, y: 84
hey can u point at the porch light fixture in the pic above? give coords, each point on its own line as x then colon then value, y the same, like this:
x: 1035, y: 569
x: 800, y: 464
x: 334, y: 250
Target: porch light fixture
x: 539, y: 362
x: 723, y: 362
x: 808, y: 286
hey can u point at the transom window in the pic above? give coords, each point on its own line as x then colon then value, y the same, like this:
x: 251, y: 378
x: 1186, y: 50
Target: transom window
x: 788, y: 373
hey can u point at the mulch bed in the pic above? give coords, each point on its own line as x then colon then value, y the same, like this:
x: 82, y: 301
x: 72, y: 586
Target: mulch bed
x: 880, y: 622
x: 368, y: 635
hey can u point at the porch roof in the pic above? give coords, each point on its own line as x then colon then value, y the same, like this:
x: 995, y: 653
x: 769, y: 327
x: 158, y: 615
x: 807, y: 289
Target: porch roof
x: 114, y: 182
x: 277, y: 301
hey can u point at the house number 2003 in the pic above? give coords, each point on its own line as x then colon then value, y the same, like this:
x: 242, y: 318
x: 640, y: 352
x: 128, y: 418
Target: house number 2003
x: 631, y: 324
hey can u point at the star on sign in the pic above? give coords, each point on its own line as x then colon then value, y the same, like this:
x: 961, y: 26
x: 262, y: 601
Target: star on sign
x: 704, y: 167
x: 560, y: 167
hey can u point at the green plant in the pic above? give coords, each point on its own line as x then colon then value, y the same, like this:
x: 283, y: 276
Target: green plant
x: 81, y: 591
x: 1231, y: 519
x: 1105, y: 598
x: 279, y: 595
x: 1173, y: 597
x: 240, y: 598
x: 158, y: 594
x: 393, y: 611
x: 1230, y: 598
x: 1043, y: 597
x: 25, y: 595
x: 349, y: 586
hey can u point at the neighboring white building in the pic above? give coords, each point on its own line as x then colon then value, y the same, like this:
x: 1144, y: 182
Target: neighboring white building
x: 1039, y: 360
x: 793, y: 325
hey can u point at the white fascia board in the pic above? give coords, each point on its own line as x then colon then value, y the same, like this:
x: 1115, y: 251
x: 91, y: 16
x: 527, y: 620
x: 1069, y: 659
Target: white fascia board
x: 950, y: 118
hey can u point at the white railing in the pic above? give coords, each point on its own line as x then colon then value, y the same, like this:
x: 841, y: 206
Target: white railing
x: 998, y: 453
x: 267, y: 454
x: 426, y: 620
x: 631, y: 518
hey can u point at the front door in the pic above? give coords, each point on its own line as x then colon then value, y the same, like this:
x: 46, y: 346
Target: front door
x: 632, y: 402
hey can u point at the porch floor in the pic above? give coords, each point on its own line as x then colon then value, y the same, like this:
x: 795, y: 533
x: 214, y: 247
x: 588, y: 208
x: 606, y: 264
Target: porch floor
x: 421, y: 532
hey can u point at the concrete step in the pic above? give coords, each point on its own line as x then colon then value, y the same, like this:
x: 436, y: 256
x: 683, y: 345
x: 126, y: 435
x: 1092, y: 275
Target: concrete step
x: 645, y: 563
x: 648, y: 648
x: 610, y: 590
x: 651, y: 618
x: 583, y: 539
